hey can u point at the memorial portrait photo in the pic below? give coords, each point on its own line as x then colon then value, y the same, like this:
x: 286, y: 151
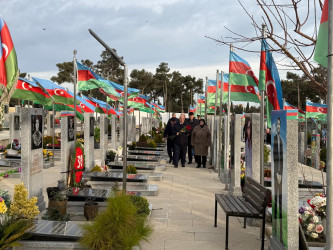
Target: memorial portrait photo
x: 36, y: 131
x: 70, y: 123
x: 51, y: 121
x: 279, y: 176
x: 92, y: 124
x: 248, y: 145
x: 16, y: 122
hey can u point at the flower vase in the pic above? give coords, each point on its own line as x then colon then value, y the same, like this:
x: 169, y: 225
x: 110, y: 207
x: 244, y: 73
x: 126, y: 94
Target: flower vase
x: 323, y: 222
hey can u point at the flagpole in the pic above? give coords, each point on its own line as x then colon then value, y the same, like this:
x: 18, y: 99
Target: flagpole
x: 227, y: 140
x: 262, y: 122
x: 220, y: 122
x: 75, y: 82
x: 53, y: 130
x: 329, y: 173
x: 206, y: 99
x: 121, y: 62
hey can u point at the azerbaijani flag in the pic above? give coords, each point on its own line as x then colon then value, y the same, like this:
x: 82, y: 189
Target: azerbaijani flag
x: 269, y: 81
x: 211, y: 89
x: 59, y: 93
x: 321, y: 50
x: 88, y: 79
x: 29, y: 90
x: 291, y: 114
x: 8, y: 63
x: 240, y: 93
x: 240, y: 72
x: 316, y: 110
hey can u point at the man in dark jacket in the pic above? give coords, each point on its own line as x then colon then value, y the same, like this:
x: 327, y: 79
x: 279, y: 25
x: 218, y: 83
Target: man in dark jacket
x: 169, y: 135
x: 180, y: 144
x: 192, y: 122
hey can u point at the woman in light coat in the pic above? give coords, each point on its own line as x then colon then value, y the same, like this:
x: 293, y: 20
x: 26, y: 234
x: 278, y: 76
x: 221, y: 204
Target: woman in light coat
x: 201, y: 139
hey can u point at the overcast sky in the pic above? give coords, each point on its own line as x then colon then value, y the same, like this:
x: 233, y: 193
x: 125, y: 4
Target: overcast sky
x: 145, y: 32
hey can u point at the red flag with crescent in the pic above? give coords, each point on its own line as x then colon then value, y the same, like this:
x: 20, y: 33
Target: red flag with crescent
x: 78, y: 165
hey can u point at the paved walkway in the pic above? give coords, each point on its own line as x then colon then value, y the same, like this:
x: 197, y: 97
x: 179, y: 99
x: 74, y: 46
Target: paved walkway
x: 183, y: 214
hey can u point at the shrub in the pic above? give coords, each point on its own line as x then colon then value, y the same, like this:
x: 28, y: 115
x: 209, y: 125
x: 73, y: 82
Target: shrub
x: 323, y: 154
x: 152, y: 144
x: 132, y: 146
x: 141, y: 203
x: 22, y: 206
x: 142, y: 144
x: 96, y: 169
x: 158, y: 138
x: 131, y: 169
x: 8, y: 146
x: 49, y: 140
x: 267, y: 151
x: 119, y: 227
x: 97, y: 134
x: 143, y: 138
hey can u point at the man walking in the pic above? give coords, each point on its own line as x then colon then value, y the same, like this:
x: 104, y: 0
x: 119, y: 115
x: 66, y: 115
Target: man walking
x: 192, y: 122
x: 169, y: 135
x: 180, y: 144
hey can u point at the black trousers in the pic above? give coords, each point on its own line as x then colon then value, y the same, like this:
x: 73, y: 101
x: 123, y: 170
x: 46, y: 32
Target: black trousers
x: 278, y: 203
x: 189, y: 149
x: 201, y: 160
x: 179, y: 153
x: 170, y: 148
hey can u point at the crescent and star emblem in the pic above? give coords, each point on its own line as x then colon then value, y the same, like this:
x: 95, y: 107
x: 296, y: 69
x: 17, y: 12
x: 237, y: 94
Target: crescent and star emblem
x: 61, y: 92
x: 23, y: 83
x: 248, y: 89
x: 5, y: 48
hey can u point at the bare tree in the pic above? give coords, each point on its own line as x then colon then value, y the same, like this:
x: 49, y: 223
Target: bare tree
x: 292, y: 27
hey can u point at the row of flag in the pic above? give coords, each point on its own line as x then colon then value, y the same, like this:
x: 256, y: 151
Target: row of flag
x: 45, y: 92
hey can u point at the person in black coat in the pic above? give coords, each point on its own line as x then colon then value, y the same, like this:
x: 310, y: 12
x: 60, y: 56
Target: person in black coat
x: 192, y: 122
x: 180, y: 143
x: 169, y: 135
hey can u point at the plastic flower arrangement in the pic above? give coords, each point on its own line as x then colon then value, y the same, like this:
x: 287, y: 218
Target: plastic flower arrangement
x: 22, y: 206
x: 2, y: 148
x: 47, y: 154
x: 318, y: 204
x: 81, y: 140
x: 312, y: 226
x: 16, y: 144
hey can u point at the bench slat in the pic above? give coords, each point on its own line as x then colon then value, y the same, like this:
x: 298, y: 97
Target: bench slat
x: 249, y: 206
x: 237, y: 210
x: 223, y: 204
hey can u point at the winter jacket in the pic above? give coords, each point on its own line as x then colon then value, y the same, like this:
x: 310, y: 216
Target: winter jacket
x: 201, y: 140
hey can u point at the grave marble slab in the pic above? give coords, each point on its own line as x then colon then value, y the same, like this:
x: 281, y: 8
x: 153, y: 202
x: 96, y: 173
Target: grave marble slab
x: 10, y: 163
x: 142, y: 158
x: 56, y: 229
x: 97, y: 195
x: 144, y: 152
x: 138, y: 166
x: 149, y: 149
x: 117, y: 177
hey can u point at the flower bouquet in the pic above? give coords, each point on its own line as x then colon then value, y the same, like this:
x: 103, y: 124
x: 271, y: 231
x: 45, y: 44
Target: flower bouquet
x: 311, y: 225
x: 318, y: 204
x: 185, y: 129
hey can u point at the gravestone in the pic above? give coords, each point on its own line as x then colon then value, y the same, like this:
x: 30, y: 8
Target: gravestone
x: 49, y: 124
x: 252, y: 146
x: 121, y: 131
x: 129, y: 128
x: 114, y: 137
x: 67, y: 143
x: 301, y: 147
x: 315, y: 151
x: 133, y: 129
x: 284, y: 182
x: 104, y: 138
x: 235, y: 155
x: 14, y: 126
x: 32, y: 153
x: 89, y: 122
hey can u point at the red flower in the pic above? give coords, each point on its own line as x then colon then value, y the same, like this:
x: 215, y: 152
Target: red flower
x: 188, y: 127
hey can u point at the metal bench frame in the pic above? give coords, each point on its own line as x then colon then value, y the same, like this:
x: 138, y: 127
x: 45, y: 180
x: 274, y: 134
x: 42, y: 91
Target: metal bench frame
x: 252, y: 204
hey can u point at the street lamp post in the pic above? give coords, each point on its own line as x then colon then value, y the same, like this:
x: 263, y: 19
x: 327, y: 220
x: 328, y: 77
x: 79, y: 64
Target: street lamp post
x: 122, y: 63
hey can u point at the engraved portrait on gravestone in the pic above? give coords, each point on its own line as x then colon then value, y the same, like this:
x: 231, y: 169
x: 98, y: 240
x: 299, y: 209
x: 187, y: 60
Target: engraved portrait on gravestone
x: 16, y: 122
x: 70, y: 123
x: 92, y: 124
x: 248, y: 145
x: 36, y: 131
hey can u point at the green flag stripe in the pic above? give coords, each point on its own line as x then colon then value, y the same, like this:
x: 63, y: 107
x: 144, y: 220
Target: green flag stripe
x: 241, y: 79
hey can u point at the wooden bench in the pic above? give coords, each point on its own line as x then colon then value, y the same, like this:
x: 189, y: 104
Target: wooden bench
x: 252, y: 204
